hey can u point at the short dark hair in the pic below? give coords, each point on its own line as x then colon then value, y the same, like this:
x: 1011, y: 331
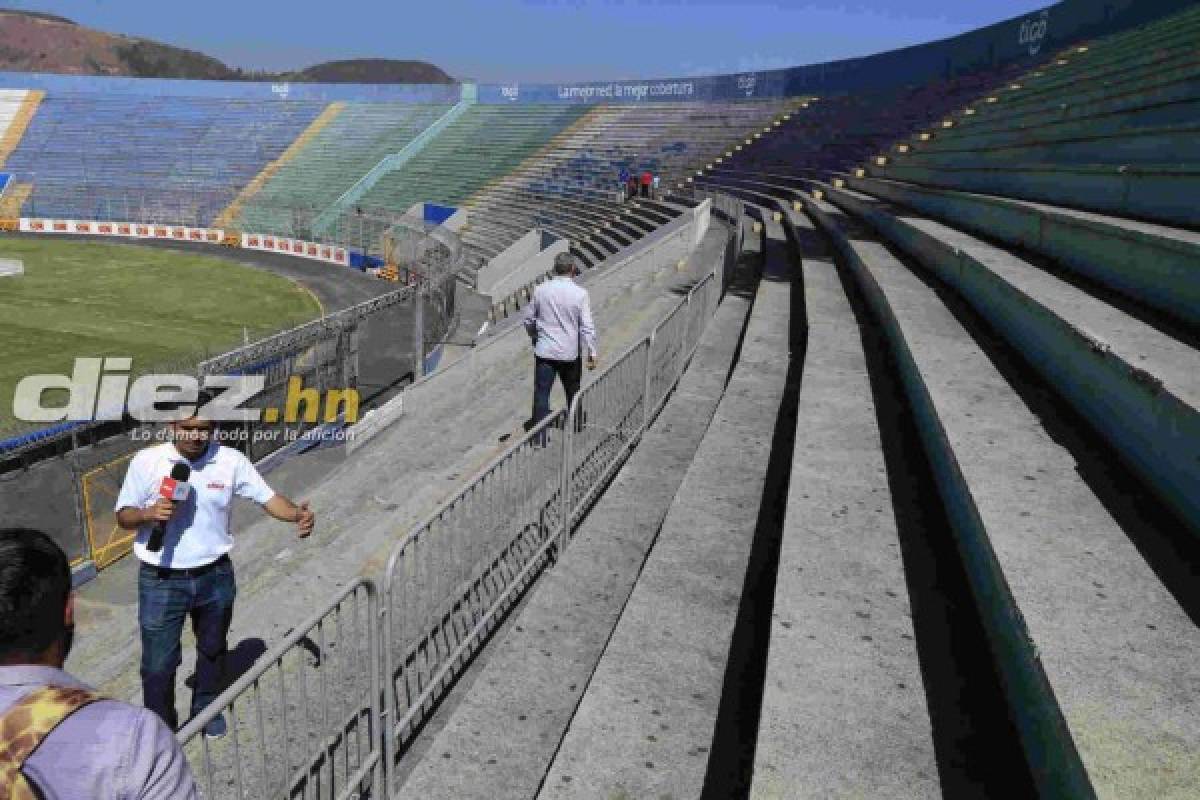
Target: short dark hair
x: 35, y: 581
x: 564, y: 264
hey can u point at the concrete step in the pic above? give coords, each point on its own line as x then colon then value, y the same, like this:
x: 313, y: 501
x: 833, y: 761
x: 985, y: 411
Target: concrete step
x: 1137, y: 113
x: 501, y: 738
x: 1095, y: 652
x: 1160, y: 90
x: 645, y: 724
x: 1138, y: 387
x: 844, y: 709
x: 1119, y: 142
x: 1155, y: 265
x: 1161, y: 193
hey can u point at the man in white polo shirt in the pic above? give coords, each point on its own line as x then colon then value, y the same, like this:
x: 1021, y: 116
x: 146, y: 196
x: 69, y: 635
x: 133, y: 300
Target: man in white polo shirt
x: 191, y: 575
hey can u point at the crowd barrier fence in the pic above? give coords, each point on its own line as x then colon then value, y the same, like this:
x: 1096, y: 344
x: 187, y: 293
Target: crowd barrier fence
x: 447, y: 584
x: 305, y: 721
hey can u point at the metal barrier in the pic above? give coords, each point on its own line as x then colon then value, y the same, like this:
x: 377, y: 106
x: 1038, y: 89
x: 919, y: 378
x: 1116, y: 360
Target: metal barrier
x: 446, y: 586
x: 606, y: 419
x: 448, y: 579
x: 305, y: 721
x: 452, y: 576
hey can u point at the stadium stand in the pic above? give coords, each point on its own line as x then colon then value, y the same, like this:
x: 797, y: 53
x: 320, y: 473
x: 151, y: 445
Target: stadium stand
x: 921, y: 517
x: 280, y: 167
x: 324, y: 165
x: 1045, y: 355
x: 183, y: 162
x: 572, y: 186
x: 1109, y: 129
x: 482, y: 144
x: 843, y: 683
x: 568, y: 619
x: 663, y: 693
x: 17, y: 107
x: 1087, y: 616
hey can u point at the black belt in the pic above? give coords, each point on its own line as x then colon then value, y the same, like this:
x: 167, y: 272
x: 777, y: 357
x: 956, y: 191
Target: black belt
x: 190, y: 572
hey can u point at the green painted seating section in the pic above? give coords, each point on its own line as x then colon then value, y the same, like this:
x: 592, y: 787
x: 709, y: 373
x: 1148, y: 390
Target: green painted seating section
x: 1126, y: 100
x: 481, y: 145
x: 341, y: 153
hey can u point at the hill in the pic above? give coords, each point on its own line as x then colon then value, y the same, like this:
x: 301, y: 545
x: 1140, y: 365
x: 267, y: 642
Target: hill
x: 36, y: 42
x: 371, y: 70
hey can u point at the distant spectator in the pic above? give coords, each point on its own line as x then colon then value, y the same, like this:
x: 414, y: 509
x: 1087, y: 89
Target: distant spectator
x: 647, y: 180
x: 557, y: 318
x: 59, y: 740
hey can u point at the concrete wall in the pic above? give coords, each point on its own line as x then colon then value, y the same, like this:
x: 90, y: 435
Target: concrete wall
x: 523, y: 267
x: 666, y: 246
x: 495, y: 271
x: 457, y: 221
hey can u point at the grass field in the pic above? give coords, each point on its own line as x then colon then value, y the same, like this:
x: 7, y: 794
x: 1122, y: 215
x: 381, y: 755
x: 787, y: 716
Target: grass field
x: 157, y: 306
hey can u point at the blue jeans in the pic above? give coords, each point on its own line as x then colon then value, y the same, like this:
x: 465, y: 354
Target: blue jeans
x: 544, y: 372
x: 165, y: 600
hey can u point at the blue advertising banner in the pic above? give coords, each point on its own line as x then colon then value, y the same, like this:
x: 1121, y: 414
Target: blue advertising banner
x: 250, y: 90
x: 1025, y: 38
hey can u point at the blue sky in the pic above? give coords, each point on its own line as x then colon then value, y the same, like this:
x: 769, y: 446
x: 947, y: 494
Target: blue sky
x: 541, y: 40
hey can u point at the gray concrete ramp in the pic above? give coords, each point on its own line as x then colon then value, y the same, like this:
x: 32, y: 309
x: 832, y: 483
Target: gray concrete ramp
x: 646, y: 722
x: 501, y: 738
x: 844, y: 712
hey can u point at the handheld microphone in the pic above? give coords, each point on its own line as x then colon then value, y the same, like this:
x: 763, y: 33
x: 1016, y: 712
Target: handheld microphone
x: 176, y: 489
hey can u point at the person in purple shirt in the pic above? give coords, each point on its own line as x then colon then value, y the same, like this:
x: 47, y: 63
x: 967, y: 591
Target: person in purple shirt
x: 557, y: 319
x: 93, y: 747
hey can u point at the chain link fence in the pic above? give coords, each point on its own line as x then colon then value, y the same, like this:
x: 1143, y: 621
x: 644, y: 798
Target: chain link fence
x: 85, y: 461
x: 65, y: 479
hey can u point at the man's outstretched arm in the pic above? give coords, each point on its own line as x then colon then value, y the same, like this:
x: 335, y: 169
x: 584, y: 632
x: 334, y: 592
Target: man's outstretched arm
x: 285, y: 510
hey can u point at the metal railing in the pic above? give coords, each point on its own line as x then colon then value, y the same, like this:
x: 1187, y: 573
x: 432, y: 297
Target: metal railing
x: 451, y: 578
x: 305, y: 721
x: 446, y: 586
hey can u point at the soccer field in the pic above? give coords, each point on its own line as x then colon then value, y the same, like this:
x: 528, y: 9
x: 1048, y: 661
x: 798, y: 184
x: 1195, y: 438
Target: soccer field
x: 156, y: 306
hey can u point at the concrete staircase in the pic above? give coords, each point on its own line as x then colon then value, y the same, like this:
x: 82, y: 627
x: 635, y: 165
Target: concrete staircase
x: 938, y: 534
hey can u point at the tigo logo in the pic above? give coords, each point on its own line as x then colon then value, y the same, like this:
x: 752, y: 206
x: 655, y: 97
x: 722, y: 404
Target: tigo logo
x: 1033, y: 32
